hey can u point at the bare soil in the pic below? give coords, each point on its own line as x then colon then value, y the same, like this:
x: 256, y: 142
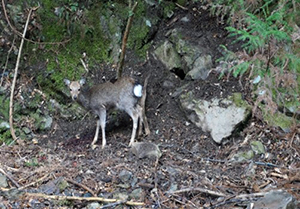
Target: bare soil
x: 192, y: 166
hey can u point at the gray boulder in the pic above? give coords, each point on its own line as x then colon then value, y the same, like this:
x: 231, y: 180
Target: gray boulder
x: 219, y: 117
x: 178, y: 53
x: 276, y: 200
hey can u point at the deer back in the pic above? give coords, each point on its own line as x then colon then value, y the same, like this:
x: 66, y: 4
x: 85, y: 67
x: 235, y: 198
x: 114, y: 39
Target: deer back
x: 108, y: 95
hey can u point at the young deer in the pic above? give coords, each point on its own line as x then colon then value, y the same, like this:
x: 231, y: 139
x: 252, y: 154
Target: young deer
x: 125, y: 94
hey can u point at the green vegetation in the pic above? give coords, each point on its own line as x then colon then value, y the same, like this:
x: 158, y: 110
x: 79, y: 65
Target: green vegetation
x: 64, y: 32
x: 269, y: 36
x: 267, y: 30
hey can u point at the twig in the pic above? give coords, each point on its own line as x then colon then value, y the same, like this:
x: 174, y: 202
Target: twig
x: 98, y: 199
x: 198, y: 189
x: 259, y: 194
x: 181, y: 7
x: 84, y: 65
x: 82, y: 186
x: 124, y: 41
x: 32, y: 183
x: 12, y: 130
x: 10, y: 178
x: 266, y: 164
x: 112, y: 205
x: 7, y: 19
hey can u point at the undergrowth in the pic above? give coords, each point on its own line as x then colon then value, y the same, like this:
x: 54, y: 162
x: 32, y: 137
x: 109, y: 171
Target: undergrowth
x: 269, y: 34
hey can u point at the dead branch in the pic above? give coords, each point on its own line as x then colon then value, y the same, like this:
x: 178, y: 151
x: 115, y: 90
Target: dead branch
x: 10, y: 178
x: 124, y: 41
x: 181, y: 7
x: 33, y: 183
x: 97, y: 199
x: 82, y: 186
x: 243, y: 196
x: 12, y: 130
x: 198, y: 189
x: 84, y: 65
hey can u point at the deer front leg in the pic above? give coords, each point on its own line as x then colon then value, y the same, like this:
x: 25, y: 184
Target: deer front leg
x: 96, y: 135
x: 102, y: 119
x: 101, y: 122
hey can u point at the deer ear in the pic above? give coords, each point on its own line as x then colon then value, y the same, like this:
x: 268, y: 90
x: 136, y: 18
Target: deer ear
x: 67, y: 82
x: 82, y: 81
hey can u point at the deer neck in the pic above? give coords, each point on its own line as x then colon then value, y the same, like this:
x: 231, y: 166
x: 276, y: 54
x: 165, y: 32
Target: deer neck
x: 84, y: 99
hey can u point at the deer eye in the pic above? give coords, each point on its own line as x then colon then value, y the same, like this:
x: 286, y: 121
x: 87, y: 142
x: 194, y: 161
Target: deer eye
x: 78, y: 89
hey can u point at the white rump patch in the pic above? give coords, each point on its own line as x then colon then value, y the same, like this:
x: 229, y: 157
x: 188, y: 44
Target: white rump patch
x: 138, y: 90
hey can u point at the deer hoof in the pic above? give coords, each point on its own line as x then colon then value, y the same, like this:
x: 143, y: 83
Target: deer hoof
x: 93, y: 146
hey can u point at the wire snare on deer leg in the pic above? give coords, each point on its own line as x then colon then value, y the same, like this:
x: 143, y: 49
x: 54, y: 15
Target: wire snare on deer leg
x: 125, y: 94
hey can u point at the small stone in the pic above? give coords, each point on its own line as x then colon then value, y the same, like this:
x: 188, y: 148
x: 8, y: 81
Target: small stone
x: 243, y: 156
x: 63, y: 184
x: 146, y: 149
x: 26, y: 130
x: 4, y: 125
x: 121, y: 196
x: 93, y: 205
x: 3, y: 181
x: 125, y: 176
x: 137, y: 194
x: 257, y: 147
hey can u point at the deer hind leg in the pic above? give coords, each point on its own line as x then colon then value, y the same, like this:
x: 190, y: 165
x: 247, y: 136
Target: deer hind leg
x: 134, y: 114
x: 143, y: 121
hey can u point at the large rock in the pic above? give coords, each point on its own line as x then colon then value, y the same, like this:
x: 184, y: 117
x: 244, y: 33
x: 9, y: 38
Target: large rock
x: 168, y: 55
x: 177, y: 53
x: 200, y: 68
x: 276, y: 200
x: 219, y: 117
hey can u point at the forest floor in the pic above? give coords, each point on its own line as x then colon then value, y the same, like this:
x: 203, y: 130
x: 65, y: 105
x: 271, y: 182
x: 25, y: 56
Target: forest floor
x: 193, y: 171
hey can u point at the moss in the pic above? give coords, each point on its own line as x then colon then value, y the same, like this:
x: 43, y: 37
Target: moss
x: 278, y: 119
x: 182, y: 2
x: 84, y: 35
x: 169, y: 8
x: 139, y: 31
x: 4, y: 107
x: 239, y: 101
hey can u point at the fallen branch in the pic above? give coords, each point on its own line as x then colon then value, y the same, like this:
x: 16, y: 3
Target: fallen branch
x: 97, y: 199
x: 84, y: 65
x: 124, y: 41
x: 33, y: 183
x: 12, y: 130
x: 82, y: 186
x: 10, y: 178
x: 243, y: 196
x: 198, y: 189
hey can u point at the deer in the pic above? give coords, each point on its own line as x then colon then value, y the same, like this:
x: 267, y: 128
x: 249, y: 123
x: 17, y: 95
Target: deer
x: 125, y: 94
